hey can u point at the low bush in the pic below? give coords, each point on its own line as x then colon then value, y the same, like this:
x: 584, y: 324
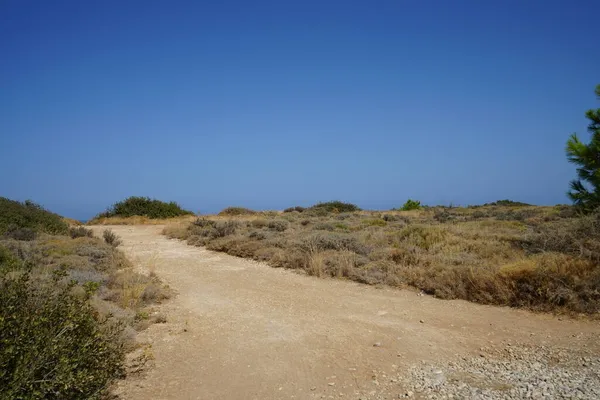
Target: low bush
x: 565, y: 211
x: 17, y: 233
x: 203, y: 227
x: 292, y: 209
x: 479, y: 215
x: 515, y: 215
x: 29, y: 216
x: 53, y: 345
x: 131, y: 290
x: 111, y: 238
x: 257, y: 235
x: 507, y: 203
x: 278, y: 225
x: 235, y: 211
x: 204, y: 222
x: 333, y: 207
x: 80, y: 231
x: 225, y: 228
x: 145, y: 207
x: 442, y: 215
x: 332, y: 241
x: 411, y: 205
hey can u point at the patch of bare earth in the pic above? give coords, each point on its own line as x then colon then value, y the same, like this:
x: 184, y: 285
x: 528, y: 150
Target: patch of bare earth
x: 238, y: 329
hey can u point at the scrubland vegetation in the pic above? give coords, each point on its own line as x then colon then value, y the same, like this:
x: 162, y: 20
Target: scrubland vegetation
x: 504, y: 253
x: 26, y: 220
x: 139, y: 209
x: 70, y: 304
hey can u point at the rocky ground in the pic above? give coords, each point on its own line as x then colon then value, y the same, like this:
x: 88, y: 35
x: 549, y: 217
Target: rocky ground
x: 510, y: 372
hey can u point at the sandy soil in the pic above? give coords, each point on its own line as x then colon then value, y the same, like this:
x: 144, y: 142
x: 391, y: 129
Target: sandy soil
x: 237, y: 329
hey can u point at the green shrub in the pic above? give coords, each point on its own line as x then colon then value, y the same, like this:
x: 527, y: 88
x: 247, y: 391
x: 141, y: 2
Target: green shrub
x: 80, y: 231
x: 15, y: 215
x: 235, y: 211
x: 8, y: 262
x: 507, y: 203
x: 292, y: 209
x: 334, y: 207
x: 111, y: 238
x: 52, y: 344
x: 146, y: 207
x: 411, y: 205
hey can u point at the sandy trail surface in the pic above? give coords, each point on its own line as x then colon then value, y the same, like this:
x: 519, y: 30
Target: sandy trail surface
x: 237, y: 329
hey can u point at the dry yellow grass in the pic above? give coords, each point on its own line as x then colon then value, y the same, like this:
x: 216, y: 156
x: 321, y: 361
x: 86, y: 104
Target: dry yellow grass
x: 485, y: 254
x: 133, y: 290
x: 177, y: 230
x: 72, y: 222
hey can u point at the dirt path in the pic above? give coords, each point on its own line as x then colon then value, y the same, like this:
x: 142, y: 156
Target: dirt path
x: 242, y: 330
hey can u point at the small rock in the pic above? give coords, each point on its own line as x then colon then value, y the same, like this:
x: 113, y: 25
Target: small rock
x: 377, y: 344
x: 331, y: 383
x: 421, y: 321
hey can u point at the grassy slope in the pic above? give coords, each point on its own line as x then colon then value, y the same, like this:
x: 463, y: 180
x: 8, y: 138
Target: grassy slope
x: 103, y: 286
x: 506, y: 255
x: 15, y: 215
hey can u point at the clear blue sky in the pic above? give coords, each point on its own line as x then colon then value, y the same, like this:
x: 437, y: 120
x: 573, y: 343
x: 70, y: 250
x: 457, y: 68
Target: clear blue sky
x: 281, y: 103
